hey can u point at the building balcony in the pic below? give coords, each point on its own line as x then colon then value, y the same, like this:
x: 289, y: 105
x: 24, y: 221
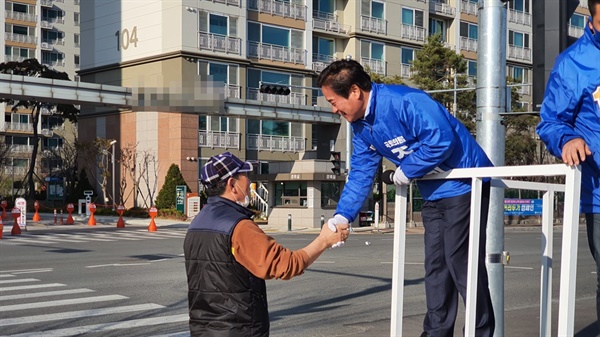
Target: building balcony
x: 468, y: 44
x: 276, y: 53
x: 49, y: 22
x: 293, y: 98
x: 321, y: 61
x: 575, y: 31
x: 227, y: 2
x: 413, y: 33
x: 275, y: 143
x: 20, y: 16
x: 524, y: 90
x: 17, y: 171
x: 21, y: 148
x: 219, y: 43
x: 279, y: 8
x: 374, y: 65
x: 468, y: 7
x: 50, y: 63
x: 373, y: 25
x: 519, y: 53
x: 15, y: 58
x: 519, y: 17
x: 23, y: 127
x: 406, y: 70
x: 233, y: 91
x: 219, y: 139
x: 46, y: 3
x: 328, y: 22
x: 583, y: 4
x: 29, y: 39
x: 441, y: 8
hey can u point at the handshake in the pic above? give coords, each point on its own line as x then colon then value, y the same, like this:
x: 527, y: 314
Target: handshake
x: 333, y: 223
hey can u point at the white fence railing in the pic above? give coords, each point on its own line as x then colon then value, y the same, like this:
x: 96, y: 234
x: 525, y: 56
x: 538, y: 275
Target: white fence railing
x: 373, y: 25
x: 220, y: 43
x: 275, y: 143
x: 568, y: 272
x: 276, y: 53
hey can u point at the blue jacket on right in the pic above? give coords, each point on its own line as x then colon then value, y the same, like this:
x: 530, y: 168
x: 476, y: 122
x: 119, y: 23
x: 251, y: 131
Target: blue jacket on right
x: 571, y: 109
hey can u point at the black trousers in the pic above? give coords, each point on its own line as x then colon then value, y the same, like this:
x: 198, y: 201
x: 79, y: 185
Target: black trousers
x: 446, y: 223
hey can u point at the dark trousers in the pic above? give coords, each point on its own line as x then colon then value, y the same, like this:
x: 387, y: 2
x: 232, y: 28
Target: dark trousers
x: 446, y: 224
x: 592, y: 221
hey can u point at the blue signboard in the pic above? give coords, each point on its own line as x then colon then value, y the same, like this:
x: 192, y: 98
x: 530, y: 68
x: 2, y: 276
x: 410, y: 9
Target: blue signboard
x: 522, y: 206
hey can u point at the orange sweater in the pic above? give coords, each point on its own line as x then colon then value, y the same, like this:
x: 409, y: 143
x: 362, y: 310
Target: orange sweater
x: 263, y: 256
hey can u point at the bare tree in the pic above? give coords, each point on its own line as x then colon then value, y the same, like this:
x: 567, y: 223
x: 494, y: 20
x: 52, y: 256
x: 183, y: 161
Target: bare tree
x: 128, y: 161
x: 5, y: 182
x: 149, y: 177
x: 66, y: 158
x: 95, y: 156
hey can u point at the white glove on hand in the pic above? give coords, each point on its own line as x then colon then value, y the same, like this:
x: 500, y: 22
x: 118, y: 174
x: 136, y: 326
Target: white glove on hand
x: 337, y: 220
x: 400, y: 178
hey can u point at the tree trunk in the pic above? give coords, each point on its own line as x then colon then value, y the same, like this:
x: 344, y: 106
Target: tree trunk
x: 35, y: 119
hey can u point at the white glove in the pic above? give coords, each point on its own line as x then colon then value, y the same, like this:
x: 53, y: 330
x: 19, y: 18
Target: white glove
x: 400, y: 178
x: 333, y: 222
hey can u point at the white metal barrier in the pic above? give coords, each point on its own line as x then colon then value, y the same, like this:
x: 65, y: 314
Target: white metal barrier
x: 571, y: 188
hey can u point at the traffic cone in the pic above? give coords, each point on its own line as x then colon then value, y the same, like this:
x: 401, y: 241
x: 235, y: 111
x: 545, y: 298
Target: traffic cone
x: 1, y: 228
x: 36, y: 215
x: 120, y: 222
x: 92, y: 220
x: 152, y: 226
x: 153, y: 212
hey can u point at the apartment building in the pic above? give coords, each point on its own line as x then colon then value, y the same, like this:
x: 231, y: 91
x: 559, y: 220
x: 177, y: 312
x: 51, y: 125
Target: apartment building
x: 47, y: 30
x: 242, y: 44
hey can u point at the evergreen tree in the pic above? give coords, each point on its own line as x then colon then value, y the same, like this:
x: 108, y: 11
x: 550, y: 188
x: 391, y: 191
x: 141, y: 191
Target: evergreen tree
x: 166, y: 196
x: 83, y: 184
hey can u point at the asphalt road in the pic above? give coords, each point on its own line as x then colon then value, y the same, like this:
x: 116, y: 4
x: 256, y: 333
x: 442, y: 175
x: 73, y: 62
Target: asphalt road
x: 130, y: 282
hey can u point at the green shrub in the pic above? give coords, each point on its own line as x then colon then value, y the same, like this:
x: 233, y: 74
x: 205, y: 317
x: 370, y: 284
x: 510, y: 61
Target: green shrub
x: 166, y: 196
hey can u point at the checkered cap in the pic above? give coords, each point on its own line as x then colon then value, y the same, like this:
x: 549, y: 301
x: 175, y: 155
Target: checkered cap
x: 221, y: 167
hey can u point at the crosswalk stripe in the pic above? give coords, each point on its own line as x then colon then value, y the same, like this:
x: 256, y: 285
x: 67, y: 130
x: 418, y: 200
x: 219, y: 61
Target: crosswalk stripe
x: 49, y: 237
x: 34, y: 286
x: 78, y: 314
x: 176, y: 334
x: 135, y: 235
x: 45, y: 293
x: 25, y: 271
x: 19, y: 280
x: 81, y: 330
x: 47, y: 304
x: 112, y: 237
x: 6, y: 275
x: 26, y: 240
x: 166, y: 233
x: 82, y: 237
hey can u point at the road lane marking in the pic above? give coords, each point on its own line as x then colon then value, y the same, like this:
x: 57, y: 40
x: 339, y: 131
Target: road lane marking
x: 119, y: 265
x: 26, y: 240
x: 175, y: 334
x: 78, y: 314
x: 35, y: 286
x: 81, y: 237
x: 6, y: 275
x: 50, y: 237
x: 417, y: 263
x: 165, y: 232
x: 45, y: 293
x: 82, y: 330
x: 113, y: 237
x: 515, y: 267
x: 136, y: 235
x: 57, y: 303
x: 25, y: 271
x: 19, y: 280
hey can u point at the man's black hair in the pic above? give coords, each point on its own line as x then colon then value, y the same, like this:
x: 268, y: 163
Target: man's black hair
x: 219, y: 187
x: 592, y: 6
x: 342, y: 74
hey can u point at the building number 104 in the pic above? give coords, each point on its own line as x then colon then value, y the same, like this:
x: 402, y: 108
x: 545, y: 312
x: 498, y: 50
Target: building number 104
x: 124, y: 38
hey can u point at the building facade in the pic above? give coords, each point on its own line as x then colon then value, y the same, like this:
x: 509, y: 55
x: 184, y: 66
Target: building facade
x: 47, y: 30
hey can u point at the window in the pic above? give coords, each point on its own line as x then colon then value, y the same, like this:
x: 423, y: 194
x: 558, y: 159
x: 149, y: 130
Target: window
x: 274, y: 35
x: 218, y: 124
x: 323, y: 6
x: 51, y: 122
x: 52, y: 142
x: 472, y: 68
x: 20, y: 30
x: 291, y: 193
x: 408, y: 55
x: 255, y: 76
x: 77, y: 60
x: 373, y: 9
x: 468, y: 30
x: 519, y: 5
x: 322, y: 46
x: 217, y: 24
x: 20, y: 52
x: 437, y: 27
x: 76, y: 18
x: 371, y: 50
x: 519, y: 74
x: 275, y: 128
x: 76, y: 40
x: 518, y: 39
x: 412, y: 17
x: 330, y: 193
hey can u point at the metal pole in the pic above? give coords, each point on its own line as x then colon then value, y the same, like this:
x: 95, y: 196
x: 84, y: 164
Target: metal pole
x: 491, y: 101
x: 113, y: 176
x: 322, y: 220
x: 289, y: 222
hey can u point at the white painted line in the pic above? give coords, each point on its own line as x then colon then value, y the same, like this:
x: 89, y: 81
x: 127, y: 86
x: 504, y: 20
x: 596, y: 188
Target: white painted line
x: 19, y: 280
x: 57, y: 303
x: 6, y: 275
x: 165, y: 232
x: 135, y: 235
x: 45, y: 293
x: 33, y: 271
x: 119, y: 265
x: 81, y: 237
x: 78, y: 314
x: 515, y: 267
x: 35, y: 286
x: 49, y: 237
x: 27, y: 241
x: 184, y: 255
x: 175, y: 334
x: 415, y: 263
x: 113, y: 237
x: 21, y: 271
x: 82, y: 330
x: 324, y: 262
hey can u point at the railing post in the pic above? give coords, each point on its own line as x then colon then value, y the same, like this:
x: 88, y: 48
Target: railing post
x: 289, y: 222
x: 322, y: 220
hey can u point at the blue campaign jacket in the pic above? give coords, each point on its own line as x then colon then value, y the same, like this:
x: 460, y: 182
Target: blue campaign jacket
x: 571, y: 109
x: 409, y: 128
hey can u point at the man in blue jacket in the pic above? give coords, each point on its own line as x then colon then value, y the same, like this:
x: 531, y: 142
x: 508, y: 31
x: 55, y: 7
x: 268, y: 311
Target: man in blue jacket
x: 416, y: 133
x: 570, y: 125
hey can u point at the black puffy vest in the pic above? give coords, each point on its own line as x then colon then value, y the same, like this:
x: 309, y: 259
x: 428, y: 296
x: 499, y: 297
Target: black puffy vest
x: 225, y: 299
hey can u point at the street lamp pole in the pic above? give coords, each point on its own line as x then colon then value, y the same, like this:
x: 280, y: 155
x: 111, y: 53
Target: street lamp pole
x: 112, y: 143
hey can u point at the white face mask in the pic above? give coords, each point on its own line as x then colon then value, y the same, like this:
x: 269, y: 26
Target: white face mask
x: 246, y: 201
